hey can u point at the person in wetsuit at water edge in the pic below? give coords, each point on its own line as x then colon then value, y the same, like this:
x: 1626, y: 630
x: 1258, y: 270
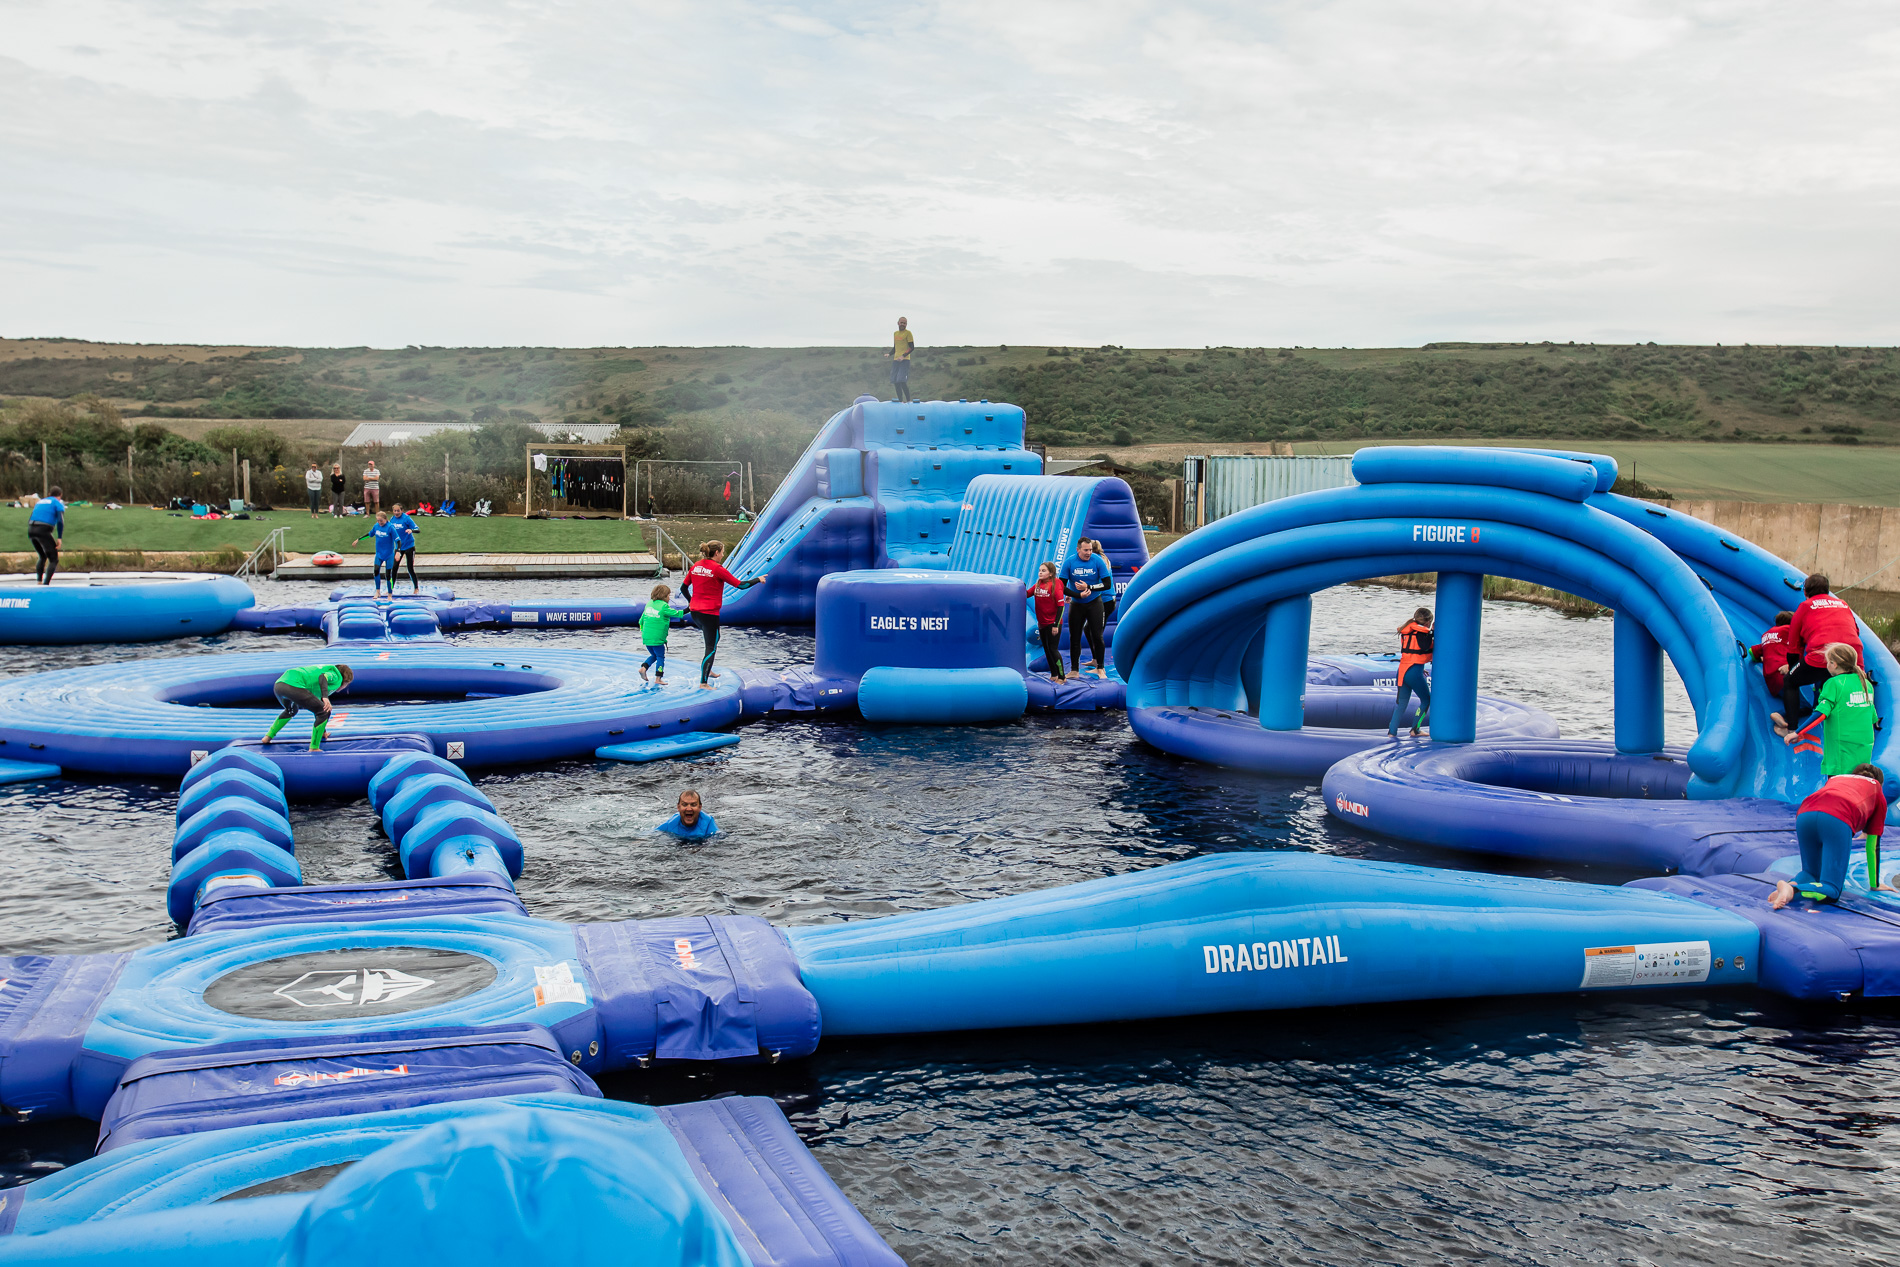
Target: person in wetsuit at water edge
x: 705, y: 589
x: 385, y: 534
x: 1087, y: 577
x: 406, y: 531
x: 1415, y: 652
x: 309, y: 687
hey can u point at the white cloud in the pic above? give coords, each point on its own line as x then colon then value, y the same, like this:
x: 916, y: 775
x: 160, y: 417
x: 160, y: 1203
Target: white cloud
x: 1363, y: 172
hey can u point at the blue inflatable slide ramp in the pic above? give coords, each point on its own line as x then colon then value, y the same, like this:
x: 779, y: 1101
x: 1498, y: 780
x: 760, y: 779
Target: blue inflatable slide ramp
x: 541, y: 1178
x: 27, y: 771
x: 666, y: 747
x: 468, y: 893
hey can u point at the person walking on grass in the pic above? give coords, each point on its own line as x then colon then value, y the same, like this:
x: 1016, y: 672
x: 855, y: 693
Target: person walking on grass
x: 1415, y: 652
x: 902, y: 344
x: 372, y: 487
x: 1819, y: 621
x: 337, y: 485
x: 309, y: 687
x: 656, y: 622
x: 705, y: 590
x: 313, y: 484
x: 46, y: 528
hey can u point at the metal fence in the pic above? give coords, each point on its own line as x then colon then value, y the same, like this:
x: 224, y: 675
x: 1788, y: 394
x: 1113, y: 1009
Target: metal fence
x: 1215, y: 487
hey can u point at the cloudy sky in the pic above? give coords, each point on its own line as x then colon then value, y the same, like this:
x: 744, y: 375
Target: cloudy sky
x: 1366, y: 172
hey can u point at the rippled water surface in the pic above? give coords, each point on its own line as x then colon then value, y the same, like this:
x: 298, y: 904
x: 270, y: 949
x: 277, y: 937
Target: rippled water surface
x: 1721, y: 1128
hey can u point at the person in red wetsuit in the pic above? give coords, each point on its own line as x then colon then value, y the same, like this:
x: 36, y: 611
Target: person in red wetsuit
x: 1772, y: 653
x: 705, y: 590
x: 1049, y: 596
x: 1825, y: 824
x: 1820, y: 620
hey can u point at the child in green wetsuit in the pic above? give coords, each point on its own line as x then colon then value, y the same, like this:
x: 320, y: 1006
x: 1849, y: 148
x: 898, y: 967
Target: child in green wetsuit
x: 1846, y: 700
x: 310, y: 687
x: 655, y: 623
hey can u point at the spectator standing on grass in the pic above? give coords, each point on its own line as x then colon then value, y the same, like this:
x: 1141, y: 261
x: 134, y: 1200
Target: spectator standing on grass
x: 902, y: 345
x: 1820, y: 621
x: 336, y: 490
x: 372, y: 493
x: 313, y: 484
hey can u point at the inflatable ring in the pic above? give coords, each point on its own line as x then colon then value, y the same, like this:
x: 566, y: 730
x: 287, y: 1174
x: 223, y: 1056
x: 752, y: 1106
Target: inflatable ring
x: 118, y: 607
x: 544, y: 704
x: 1341, y: 721
x: 1563, y: 800
x: 326, y: 558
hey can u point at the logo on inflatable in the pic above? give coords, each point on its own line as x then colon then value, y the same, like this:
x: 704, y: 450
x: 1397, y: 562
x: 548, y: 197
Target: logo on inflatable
x: 1352, y: 807
x: 377, y: 981
x: 1451, y: 534
x: 352, y: 987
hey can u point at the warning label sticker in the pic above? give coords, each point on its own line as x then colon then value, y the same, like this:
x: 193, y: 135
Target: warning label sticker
x: 557, y: 985
x: 1657, y: 963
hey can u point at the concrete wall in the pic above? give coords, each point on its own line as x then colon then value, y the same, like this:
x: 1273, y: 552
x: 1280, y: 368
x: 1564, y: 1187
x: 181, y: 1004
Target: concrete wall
x: 1856, y: 546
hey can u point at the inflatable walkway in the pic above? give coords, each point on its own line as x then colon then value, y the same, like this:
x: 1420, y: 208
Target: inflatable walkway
x: 353, y: 617
x: 921, y: 485
x: 119, y: 607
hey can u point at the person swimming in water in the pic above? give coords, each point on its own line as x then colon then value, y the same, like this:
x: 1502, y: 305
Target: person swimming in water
x: 309, y: 687
x: 690, y: 822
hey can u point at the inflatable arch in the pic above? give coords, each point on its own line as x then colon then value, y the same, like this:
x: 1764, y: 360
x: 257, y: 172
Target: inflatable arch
x: 1221, y: 620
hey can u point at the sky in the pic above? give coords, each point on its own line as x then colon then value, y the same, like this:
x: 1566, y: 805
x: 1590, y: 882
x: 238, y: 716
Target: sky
x: 1359, y: 173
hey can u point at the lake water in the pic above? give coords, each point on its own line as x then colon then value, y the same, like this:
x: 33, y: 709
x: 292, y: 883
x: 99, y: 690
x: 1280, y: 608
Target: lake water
x: 1726, y: 1128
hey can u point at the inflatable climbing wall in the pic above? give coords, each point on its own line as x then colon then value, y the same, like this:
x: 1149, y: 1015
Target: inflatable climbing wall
x: 893, y: 484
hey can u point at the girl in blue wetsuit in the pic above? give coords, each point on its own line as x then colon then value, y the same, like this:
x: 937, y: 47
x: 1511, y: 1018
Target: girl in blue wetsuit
x: 405, y: 548
x: 385, y: 534
x: 46, y: 528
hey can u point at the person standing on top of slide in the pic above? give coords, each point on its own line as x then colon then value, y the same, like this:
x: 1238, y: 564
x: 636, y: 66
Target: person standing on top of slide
x: 705, y: 589
x: 406, y: 531
x: 1087, y: 577
x: 1772, y: 653
x: 385, y: 535
x: 902, y: 344
x: 372, y: 487
x: 313, y: 484
x: 1825, y: 825
x: 309, y: 687
x: 1415, y: 652
x: 1820, y: 620
x: 46, y: 528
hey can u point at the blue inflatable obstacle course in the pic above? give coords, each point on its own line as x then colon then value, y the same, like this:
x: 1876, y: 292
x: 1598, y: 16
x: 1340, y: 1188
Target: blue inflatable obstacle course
x: 919, y: 648
x: 158, y: 717
x: 233, y: 830
x: 686, y: 745
x: 354, y: 617
x: 1239, y: 932
x: 921, y: 485
x: 119, y: 607
x: 546, y: 1177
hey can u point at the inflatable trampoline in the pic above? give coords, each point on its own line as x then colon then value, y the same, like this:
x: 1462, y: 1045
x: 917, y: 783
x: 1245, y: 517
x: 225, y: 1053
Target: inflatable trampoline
x: 119, y: 606
x: 156, y: 717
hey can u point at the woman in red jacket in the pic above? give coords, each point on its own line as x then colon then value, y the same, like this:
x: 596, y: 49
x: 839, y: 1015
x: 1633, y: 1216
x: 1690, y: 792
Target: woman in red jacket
x: 1047, y: 591
x: 1826, y: 824
x: 1820, y: 620
x: 705, y: 589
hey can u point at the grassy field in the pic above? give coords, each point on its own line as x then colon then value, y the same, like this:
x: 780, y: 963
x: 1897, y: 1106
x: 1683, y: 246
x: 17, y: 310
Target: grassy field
x: 1858, y: 475
x: 141, y: 528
